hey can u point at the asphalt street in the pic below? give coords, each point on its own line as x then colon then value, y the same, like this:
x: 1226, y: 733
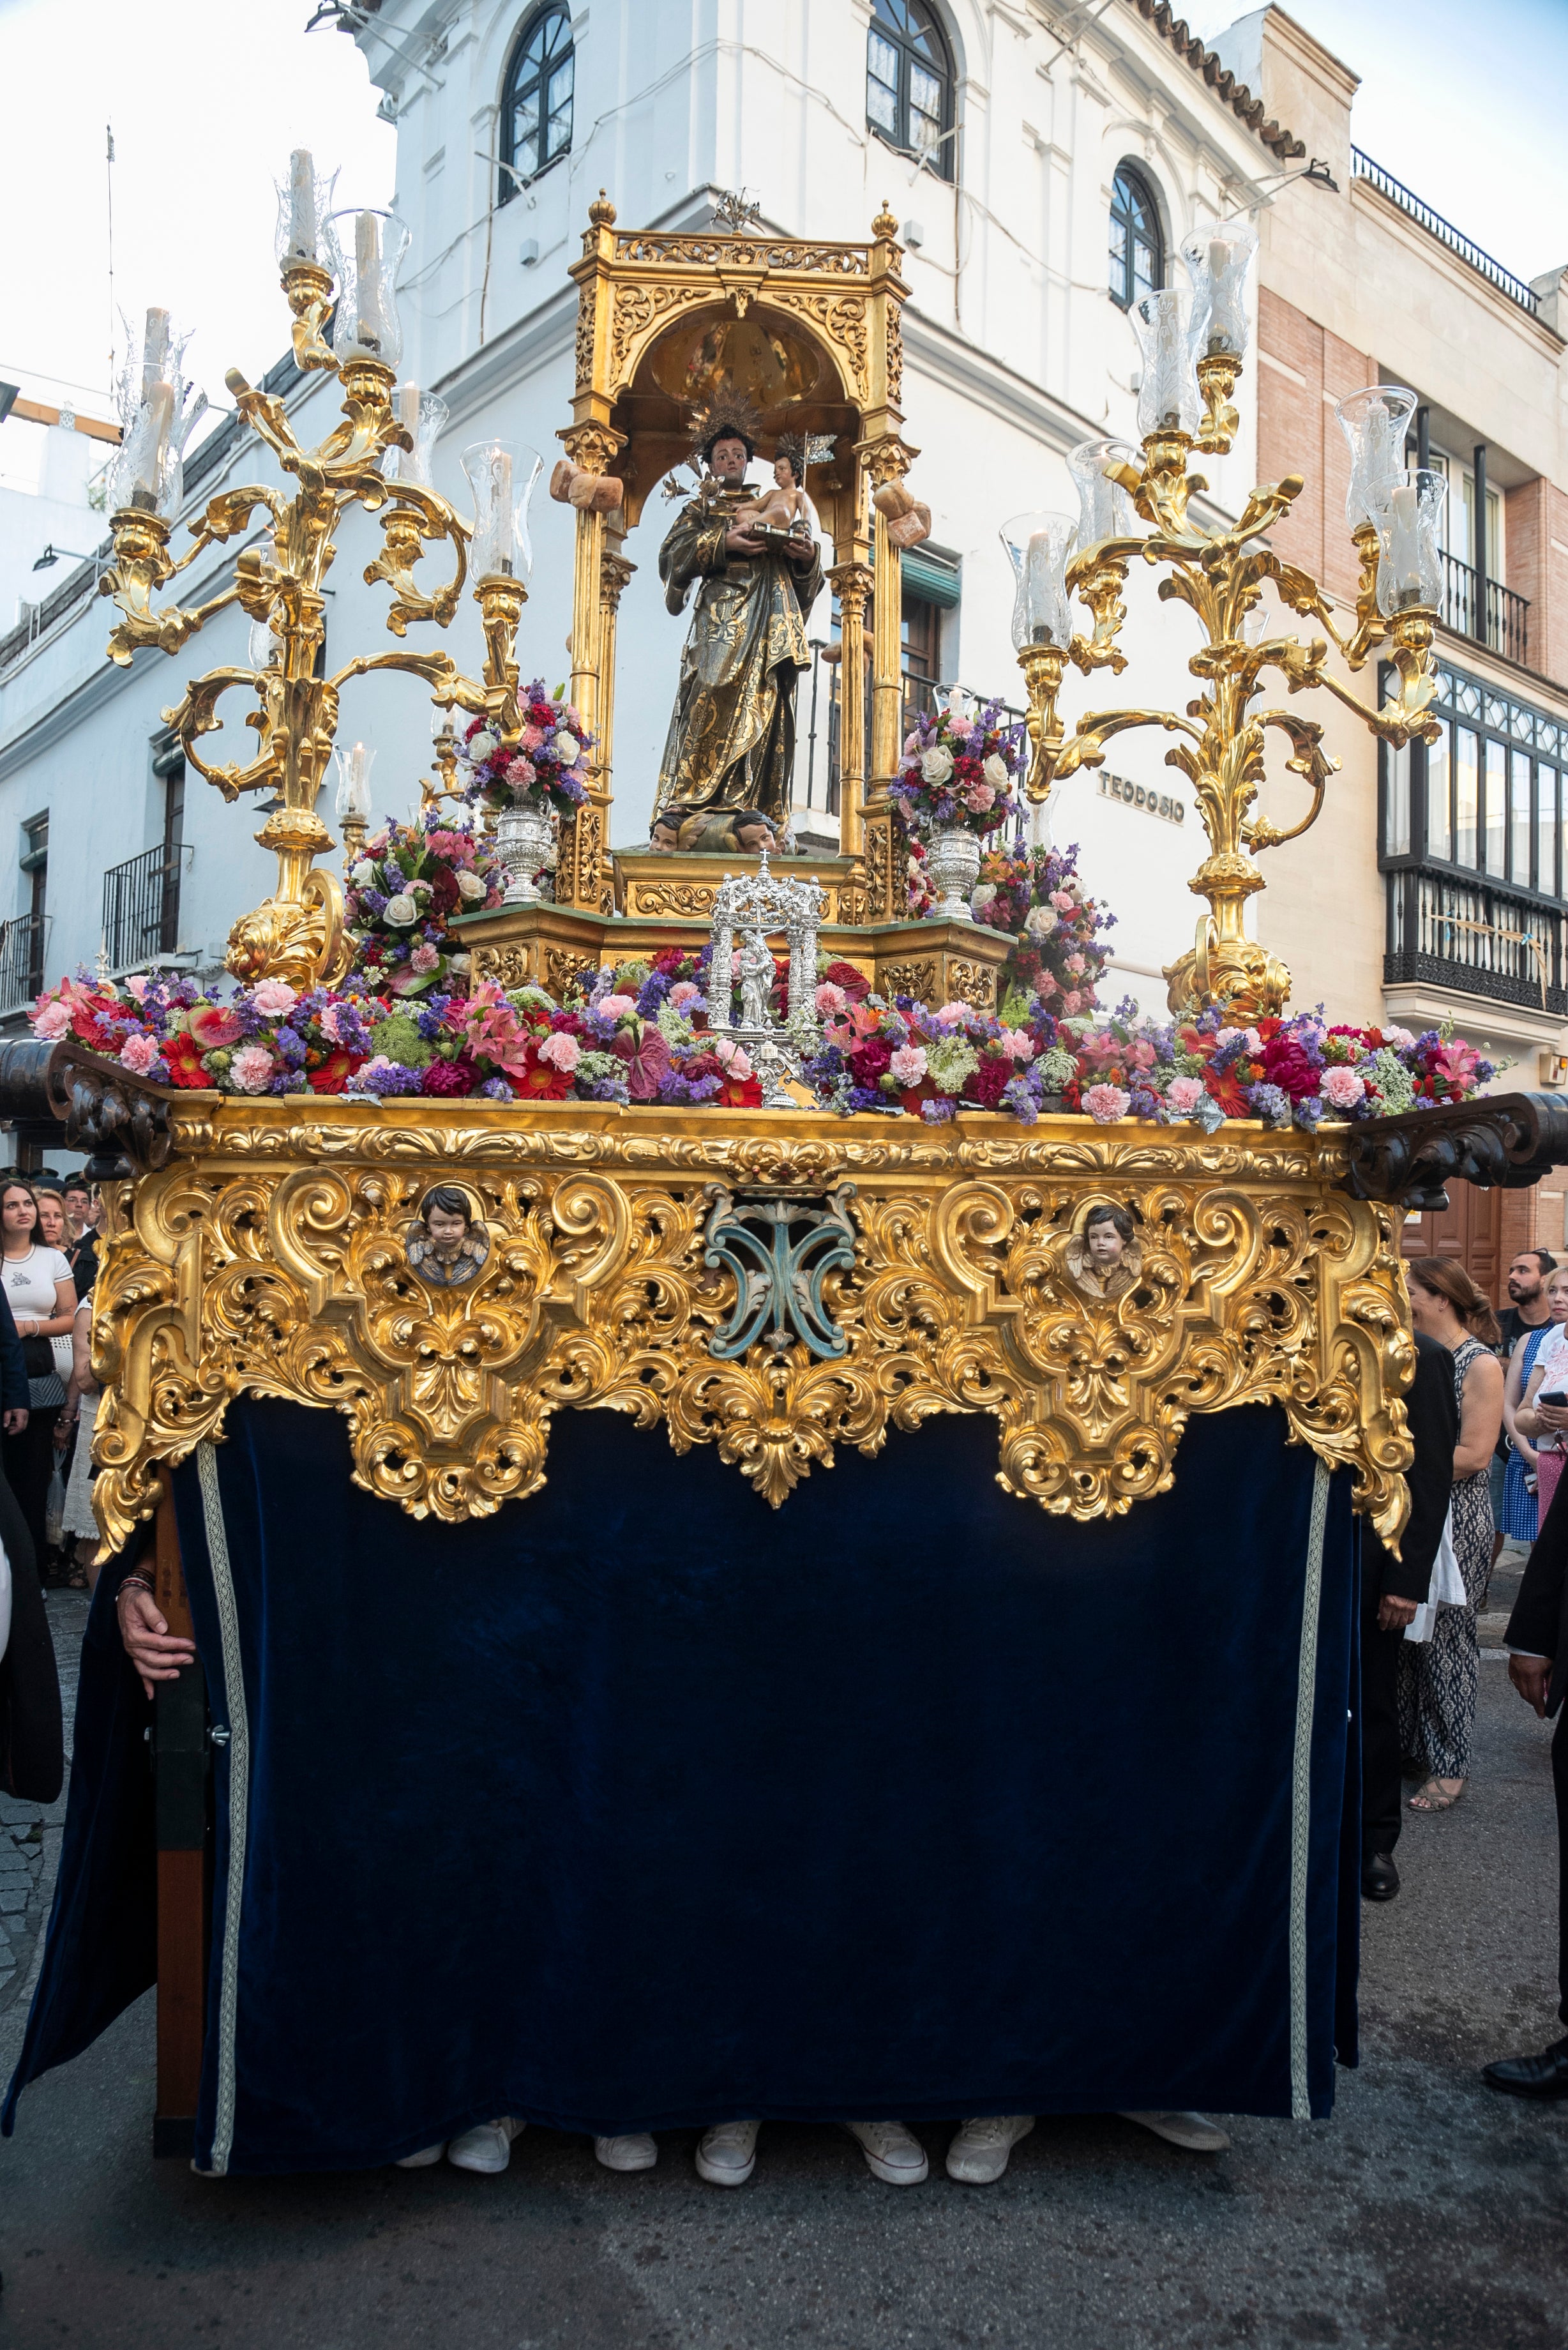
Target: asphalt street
x: 1427, y: 2213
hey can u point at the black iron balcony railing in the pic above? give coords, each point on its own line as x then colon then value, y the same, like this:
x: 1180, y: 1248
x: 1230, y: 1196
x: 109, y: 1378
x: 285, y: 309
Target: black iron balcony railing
x: 22, y: 945
x: 142, y: 909
x: 1444, y: 231
x: 1450, y: 930
x: 1507, y: 615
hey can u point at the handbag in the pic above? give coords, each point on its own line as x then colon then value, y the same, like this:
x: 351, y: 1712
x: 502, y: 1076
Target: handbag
x: 40, y: 1356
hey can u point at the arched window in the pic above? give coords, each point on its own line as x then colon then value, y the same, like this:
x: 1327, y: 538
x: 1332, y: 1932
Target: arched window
x: 537, y: 103
x: 910, y: 82
x: 1137, y: 247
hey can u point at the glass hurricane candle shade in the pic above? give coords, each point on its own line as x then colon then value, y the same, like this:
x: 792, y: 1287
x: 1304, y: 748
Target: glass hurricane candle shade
x: 1409, y: 538
x: 1038, y: 545
x: 1374, y: 423
x: 1104, y: 509
x: 1218, y: 257
x: 1168, y: 392
x: 421, y: 415
x: 159, y: 409
x: 304, y: 210
x: 354, y: 764
x: 502, y: 475
x: 365, y: 250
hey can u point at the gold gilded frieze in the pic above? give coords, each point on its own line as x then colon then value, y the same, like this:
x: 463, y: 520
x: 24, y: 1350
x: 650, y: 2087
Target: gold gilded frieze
x: 271, y: 1256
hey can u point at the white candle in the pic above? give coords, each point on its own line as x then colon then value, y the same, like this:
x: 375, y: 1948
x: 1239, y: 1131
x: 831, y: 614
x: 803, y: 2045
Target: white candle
x: 1219, y: 257
x: 301, y: 205
x: 368, y: 272
x: 160, y: 419
x: 154, y: 351
x: 1038, y: 589
x: 409, y: 407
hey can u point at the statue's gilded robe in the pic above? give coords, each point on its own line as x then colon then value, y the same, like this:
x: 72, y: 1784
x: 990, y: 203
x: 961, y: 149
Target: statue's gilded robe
x: 731, y: 737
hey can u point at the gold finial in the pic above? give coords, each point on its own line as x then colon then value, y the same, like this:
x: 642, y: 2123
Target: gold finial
x: 602, y: 214
x: 885, y: 226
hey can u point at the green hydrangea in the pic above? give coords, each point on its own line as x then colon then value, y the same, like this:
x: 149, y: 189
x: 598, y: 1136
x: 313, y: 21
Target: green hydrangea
x: 592, y: 1066
x: 675, y: 1028
x: 1393, y: 1081
x: 629, y: 976
x: 951, y: 1061
x: 1057, y: 1069
x: 398, y: 1038
x: 1014, y: 1013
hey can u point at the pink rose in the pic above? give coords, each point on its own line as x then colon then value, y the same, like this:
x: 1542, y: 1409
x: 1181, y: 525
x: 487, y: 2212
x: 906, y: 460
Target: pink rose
x: 1184, y: 1094
x: 138, y: 1054
x: 1342, y: 1088
x: 1075, y: 963
x: 213, y: 1025
x: 424, y: 959
x: 683, y: 992
x: 138, y: 989
x: 51, y: 1022
x: 1105, y: 1104
x: 1399, y: 1037
x: 274, y: 997
x: 907, y: 1066
x: 1063, y: 900
x: 253, y: 1066
x: 617, y: 1007
x: 830, y: 999
x: 1071, y: 1000
x: 911, y: 744
x: 981, y: 797
x: 563, y: 1049
x: 733, y: 1057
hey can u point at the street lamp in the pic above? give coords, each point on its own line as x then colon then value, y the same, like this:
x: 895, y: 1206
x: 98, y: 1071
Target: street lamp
x: 52, y: 554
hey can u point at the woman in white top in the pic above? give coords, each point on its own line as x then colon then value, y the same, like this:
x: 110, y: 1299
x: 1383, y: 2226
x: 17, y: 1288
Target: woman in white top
x: 43, y: 1299
x: 1544, y: 1424
x: 76, y: 1419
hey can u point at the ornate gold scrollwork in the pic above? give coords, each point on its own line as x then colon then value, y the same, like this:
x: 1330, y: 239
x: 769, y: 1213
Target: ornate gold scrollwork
x: 275, y: 1264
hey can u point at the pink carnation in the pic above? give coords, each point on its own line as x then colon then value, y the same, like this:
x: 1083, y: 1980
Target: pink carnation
x: 424, y: 959
x: 1107, y: 1103
x: 532, y: 738
x: 1071, y: 1001
x: 138, y: 1054
x: 521, y: 773
x: 830, y: 998
x: 907, y: 1066
x: 252, y: 1067
x: 617, y: 1007
x: 1342, y: 1088
x: 1184, y: 1094
x: 683, y: 992
x: 959, y: 1012
x: 563, y: 1049
x: 1018, y: 1042
x: 51, y: 1021
x: 1075, y: 963
x: 274, y: 997
x: 329, y: 1019
x: 137, y: 988
x: 733, y: 1057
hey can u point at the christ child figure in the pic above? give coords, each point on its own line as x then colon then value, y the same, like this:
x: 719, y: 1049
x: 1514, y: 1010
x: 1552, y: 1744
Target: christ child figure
x: 786, y: 506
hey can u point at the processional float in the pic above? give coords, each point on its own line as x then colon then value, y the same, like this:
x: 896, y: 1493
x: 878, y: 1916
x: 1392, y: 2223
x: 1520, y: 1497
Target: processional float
x: 974, y: 1453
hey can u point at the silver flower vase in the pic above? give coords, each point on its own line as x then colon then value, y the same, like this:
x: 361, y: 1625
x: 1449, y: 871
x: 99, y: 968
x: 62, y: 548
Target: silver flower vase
x: 952, y: 860
x: 525, y: 836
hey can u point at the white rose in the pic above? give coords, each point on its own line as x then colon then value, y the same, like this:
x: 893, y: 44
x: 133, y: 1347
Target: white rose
x: 566, y: 747
x: 483, y: 743
x: 982, y: 898
x: 469, y: 885
x: 364, y: 873
x: 402, y: 912
x: 994, y: 770
x: 937, y: 764
x: 459, y: 963
x: 1039, y: 921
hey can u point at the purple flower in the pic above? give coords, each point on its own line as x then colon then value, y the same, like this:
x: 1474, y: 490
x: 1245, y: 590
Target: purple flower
x: 1271, y: 1103
x: 291, y: 1048
x: 938, y: 1111
x: 293, y: 1081
x: 497, y: 1089
x: 395, y: 1079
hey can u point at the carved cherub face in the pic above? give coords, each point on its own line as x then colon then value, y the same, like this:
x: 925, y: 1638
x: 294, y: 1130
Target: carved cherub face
x: 664, y: 837
x: 754, y: 837
x: 1105, y: 1244
x: 447, y: 1231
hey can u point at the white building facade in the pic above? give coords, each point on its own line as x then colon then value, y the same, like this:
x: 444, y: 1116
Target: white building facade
x: 1044, y: 166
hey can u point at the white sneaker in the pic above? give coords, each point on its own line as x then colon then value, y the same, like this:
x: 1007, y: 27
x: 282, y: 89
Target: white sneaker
x: 636, y: 2152
x: 891, y: 2153
x: 487, y: 2147
x: 1196, y: 2132
x: 728, y: 2154
x: 425, y: 2157
x: 977, y: 2155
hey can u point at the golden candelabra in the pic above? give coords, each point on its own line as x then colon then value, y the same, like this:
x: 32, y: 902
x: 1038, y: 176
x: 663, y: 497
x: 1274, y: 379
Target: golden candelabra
x: 1221, y: 575
x: 297, y: 933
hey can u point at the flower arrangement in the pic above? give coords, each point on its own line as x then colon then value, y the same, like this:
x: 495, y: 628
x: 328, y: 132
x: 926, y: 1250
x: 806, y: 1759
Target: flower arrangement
x: 403, y: 889
x: 541, y: 767
x: 1035, y: 895
x: 922, y: 896
x: 635, y: 1033
x: 958, y: 767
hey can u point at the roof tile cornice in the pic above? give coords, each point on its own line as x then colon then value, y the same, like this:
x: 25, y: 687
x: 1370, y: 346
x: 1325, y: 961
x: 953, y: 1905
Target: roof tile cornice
x: 1174, y: 30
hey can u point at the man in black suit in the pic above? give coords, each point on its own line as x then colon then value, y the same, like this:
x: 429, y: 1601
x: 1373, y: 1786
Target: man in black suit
x: 1537, y: 1637
x: 1391, y: 1590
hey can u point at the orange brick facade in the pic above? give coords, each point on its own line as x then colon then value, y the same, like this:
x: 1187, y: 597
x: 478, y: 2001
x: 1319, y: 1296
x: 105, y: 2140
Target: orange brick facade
x: 1302, y: 370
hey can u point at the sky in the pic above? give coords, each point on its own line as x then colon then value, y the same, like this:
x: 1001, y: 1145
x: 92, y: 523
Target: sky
x: 208, y: 97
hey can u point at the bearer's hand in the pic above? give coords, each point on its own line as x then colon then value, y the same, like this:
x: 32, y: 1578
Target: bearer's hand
x: 1393, y: 1615
x: 1530, y: 1676
x: 145, y: 1633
